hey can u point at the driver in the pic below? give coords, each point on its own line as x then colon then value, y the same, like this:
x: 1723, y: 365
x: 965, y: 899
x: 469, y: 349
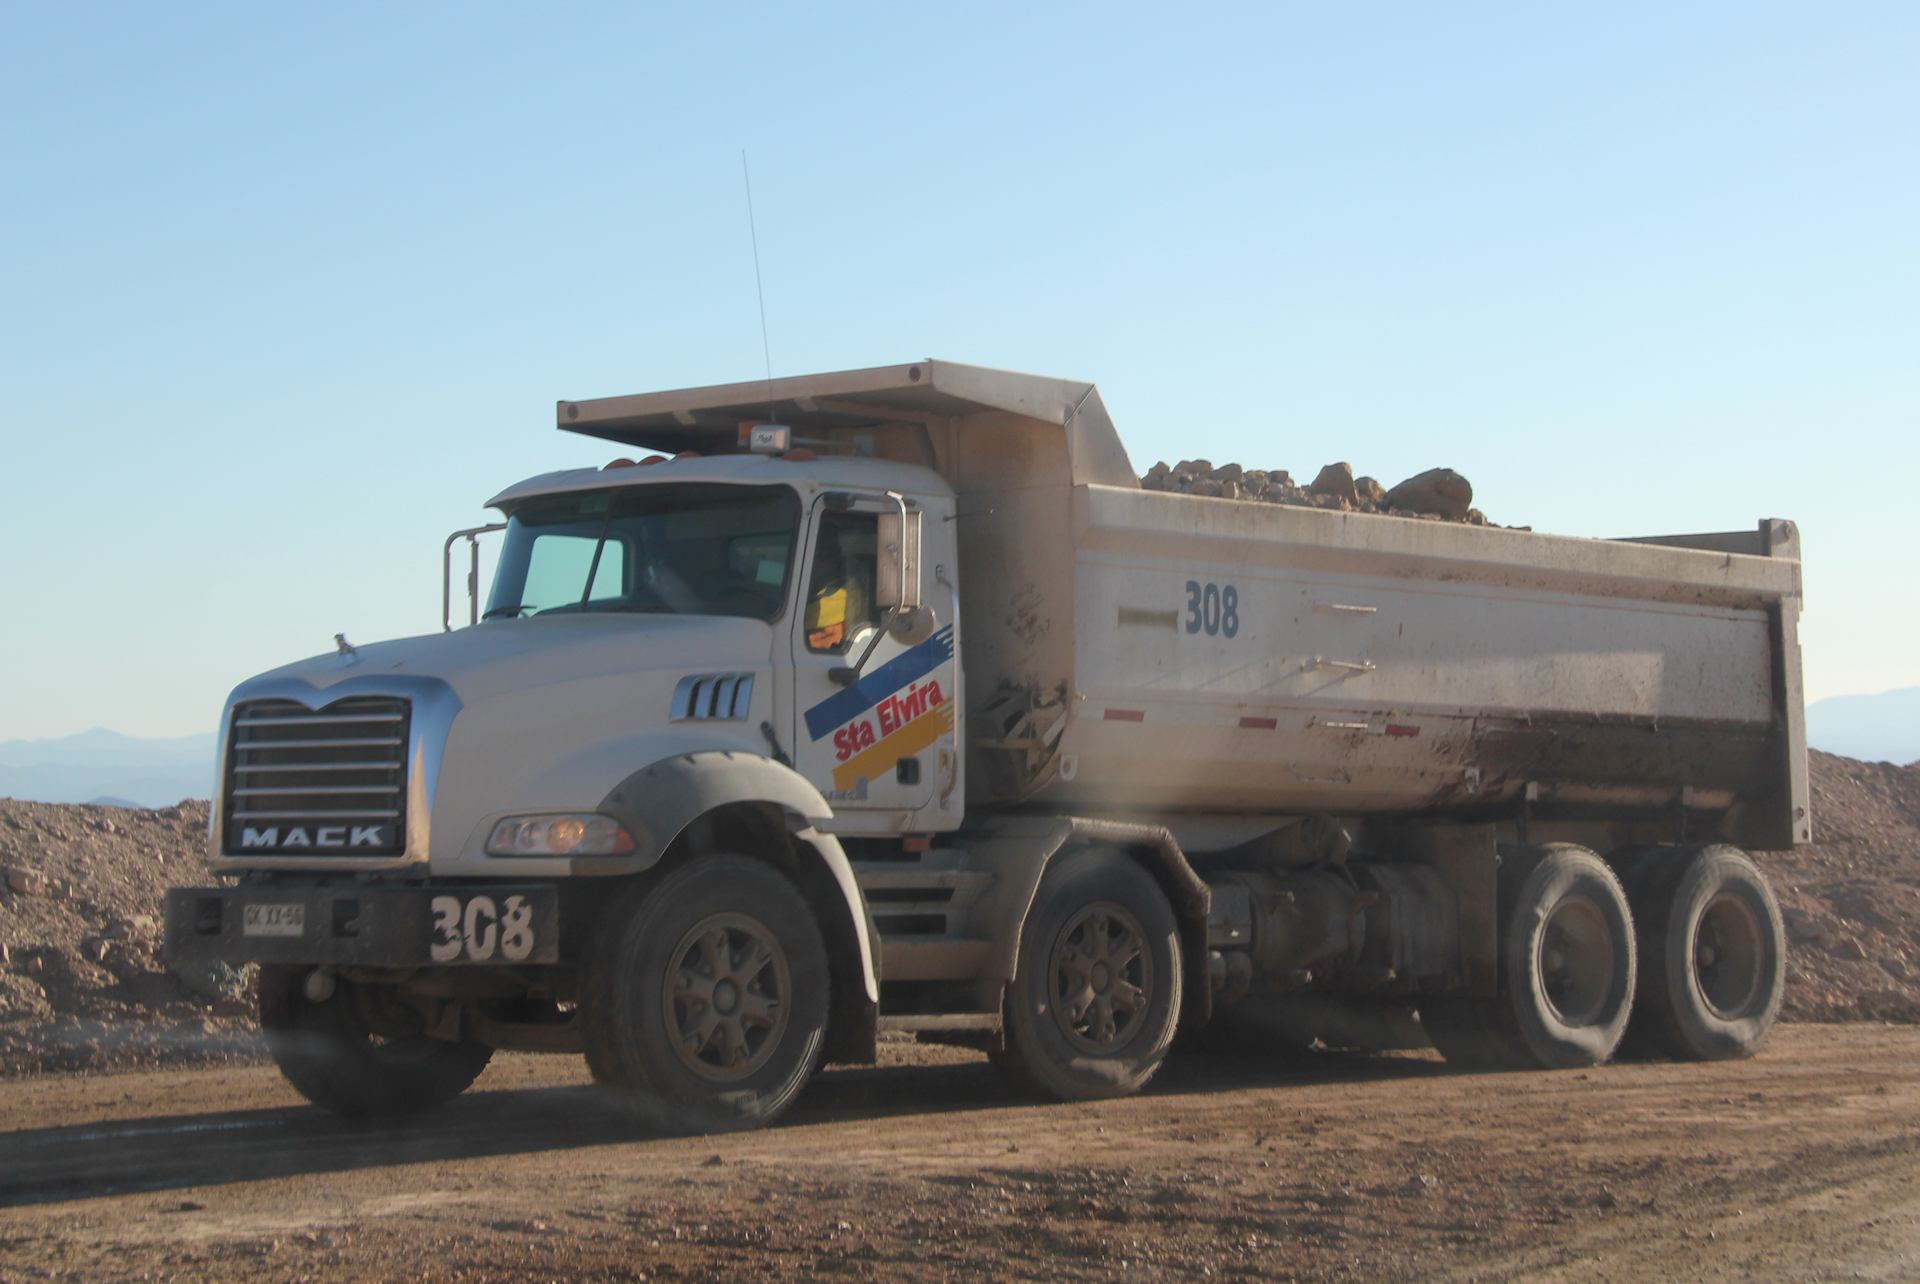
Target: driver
x: 837, y: 602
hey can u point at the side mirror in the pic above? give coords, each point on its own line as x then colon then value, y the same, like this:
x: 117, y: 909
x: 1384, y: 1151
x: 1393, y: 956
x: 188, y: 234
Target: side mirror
x: 896, y: 586
x: 897, y: 573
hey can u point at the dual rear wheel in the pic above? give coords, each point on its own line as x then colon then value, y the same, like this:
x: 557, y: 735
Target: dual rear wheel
x: 1712, y: 955
x: 1684, y: 957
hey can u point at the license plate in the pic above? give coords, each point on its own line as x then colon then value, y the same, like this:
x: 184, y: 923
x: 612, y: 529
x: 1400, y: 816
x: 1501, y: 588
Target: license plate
x: 274, y: 920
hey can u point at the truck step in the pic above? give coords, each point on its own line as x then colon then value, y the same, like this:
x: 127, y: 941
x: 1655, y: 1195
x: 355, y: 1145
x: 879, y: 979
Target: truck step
x: 922, y: 905
x: 932, y: 958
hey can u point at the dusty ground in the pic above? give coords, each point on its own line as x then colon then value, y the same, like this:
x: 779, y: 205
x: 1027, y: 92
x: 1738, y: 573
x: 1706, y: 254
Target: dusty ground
x: 200, y: 1162
x: 1804, y: 1163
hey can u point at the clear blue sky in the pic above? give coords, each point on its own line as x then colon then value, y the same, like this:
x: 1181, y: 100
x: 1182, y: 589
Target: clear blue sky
x: 286, y: 291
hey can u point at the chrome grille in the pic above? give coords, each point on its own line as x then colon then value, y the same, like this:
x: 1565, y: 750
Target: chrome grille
x: 318, y: 782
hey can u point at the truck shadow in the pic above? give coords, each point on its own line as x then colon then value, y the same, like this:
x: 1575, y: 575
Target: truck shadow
x: 174, y: 1152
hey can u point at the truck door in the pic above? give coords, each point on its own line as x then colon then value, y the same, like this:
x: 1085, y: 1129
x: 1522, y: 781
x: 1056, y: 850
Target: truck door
x: 879, y: 743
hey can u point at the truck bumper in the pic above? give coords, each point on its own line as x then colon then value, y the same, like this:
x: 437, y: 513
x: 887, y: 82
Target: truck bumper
x: 470, y: 924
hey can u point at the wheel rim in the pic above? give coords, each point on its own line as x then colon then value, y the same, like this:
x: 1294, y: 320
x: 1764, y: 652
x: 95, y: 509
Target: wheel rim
x: 1102, y: 978
x: 726, y: 997
x: 1727, y: 952
x: 1576, y: 961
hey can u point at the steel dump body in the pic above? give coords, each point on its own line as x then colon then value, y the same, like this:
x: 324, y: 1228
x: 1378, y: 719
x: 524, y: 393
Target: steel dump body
x: 1382, y: 663
x: 1154, y: 654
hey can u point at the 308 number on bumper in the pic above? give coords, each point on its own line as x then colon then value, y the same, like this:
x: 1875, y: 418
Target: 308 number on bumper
x: 482, y: 929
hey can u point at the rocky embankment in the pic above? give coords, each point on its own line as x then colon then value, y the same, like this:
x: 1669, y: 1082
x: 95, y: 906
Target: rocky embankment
x: 82, y: 984
x: 1851, y: 900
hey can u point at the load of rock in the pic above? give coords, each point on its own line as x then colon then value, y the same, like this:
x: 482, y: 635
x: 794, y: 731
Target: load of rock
x: 1439, y: 494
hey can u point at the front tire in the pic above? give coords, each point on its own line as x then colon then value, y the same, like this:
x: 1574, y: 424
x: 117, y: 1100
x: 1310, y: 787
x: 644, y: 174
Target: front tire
x: 1096, y: 988
x: 362, y: 1051
x: 707, y: 996
x: 1712, y: 956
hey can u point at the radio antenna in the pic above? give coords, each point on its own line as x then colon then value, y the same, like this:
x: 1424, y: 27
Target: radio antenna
x: 766, y: 349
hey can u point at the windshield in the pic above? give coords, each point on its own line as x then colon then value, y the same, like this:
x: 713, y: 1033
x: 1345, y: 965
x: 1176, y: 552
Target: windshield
x: 677, y: 549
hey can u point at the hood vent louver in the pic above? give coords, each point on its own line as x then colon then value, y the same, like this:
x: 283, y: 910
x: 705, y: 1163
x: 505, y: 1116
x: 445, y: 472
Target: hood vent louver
x: 713, y: 696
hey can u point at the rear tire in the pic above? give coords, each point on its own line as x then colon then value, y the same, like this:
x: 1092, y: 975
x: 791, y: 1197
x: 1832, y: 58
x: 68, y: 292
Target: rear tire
x: 361, y: 1052
x: 706, y: 996
x: 1096, y: 988
x: 1567, y: 970
x: 1712, y: 956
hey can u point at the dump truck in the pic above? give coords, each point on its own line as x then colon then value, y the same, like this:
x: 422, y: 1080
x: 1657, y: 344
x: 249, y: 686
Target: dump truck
x: 887, y: 701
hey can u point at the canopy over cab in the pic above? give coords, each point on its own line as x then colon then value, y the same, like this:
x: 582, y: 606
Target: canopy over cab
x: 928, y: 412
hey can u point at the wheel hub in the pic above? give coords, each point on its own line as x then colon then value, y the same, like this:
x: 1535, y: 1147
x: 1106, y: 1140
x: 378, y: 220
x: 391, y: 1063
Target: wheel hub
x: 1103, y: 978
x: 726, y: 997
x: 1728, y: 956
x: 1576, y: 961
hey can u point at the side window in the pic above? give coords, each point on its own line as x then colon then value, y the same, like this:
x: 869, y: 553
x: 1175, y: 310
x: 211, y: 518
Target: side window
x: 840, y: 592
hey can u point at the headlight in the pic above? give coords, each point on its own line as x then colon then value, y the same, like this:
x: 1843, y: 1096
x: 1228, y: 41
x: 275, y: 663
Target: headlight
x: 575, y: 834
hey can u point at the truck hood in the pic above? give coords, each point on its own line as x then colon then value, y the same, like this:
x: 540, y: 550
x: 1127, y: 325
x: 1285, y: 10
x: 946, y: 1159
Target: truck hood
x: 492, y: 659
x: 540, y: 715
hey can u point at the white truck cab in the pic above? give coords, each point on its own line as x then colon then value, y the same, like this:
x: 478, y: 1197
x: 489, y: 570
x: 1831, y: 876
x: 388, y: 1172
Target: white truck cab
x: 639, y: 613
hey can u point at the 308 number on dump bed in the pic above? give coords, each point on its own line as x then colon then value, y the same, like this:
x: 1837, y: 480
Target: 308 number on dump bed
x: 1213, y: 609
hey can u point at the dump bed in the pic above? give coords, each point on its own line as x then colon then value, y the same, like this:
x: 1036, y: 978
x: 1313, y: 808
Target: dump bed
x: 1238, y: 656
x: 1145, y: 652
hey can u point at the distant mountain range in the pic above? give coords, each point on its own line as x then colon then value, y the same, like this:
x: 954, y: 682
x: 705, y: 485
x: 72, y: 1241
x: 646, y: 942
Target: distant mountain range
x: 1878, y: 728
x: 106, y: 767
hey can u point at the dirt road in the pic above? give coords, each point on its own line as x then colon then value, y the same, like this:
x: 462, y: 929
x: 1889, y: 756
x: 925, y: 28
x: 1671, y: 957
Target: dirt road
x: 1803, y: 1163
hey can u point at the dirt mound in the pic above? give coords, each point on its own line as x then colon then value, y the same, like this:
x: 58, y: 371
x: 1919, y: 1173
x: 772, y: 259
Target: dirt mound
x: 1852, y: 899
x: 82, y: 984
